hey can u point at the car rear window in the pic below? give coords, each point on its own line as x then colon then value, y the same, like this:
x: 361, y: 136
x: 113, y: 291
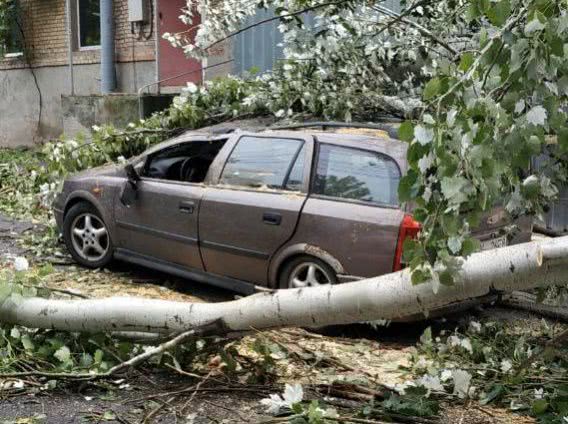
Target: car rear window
x: 262, y: 162
x: 355, y: 174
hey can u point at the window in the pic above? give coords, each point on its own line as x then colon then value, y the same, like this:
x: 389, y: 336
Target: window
x: 13, y: 45
x: 262, y: 162
x: 187, y: 162
x: 88, y: 23
x: 356, y: 175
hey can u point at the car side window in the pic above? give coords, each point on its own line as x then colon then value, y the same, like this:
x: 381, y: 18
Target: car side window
x: 295, y: 179
x: 186, y: 162
x: 355, y: 174
x: 261, y: 162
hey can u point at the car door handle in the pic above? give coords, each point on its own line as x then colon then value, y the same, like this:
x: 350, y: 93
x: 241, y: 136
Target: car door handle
x: 187, y: 207
x: 271, y: 218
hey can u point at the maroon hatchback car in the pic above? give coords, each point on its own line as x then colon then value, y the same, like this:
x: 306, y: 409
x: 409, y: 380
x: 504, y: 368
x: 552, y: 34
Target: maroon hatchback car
x: 244, y: 210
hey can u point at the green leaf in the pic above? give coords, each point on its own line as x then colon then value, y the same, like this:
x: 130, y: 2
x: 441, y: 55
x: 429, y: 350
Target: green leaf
x: 456, y: 189
x: 499, y: 12
x: 407, y: 187
x: 406, y: 131
x: 15, y: 333
x: 423, y: 135
x: 454, y: 244
x: 494, y: 393
x: 466, y: 61
x: 562, y: 142
x: 426, y: 337
x: 86, y: 360
x: 539, y: 406
x: 470, y: 245
x: 98, y: 356
x: 27, y: 343
x: 446, y: 278
x: 63, y: 354
x: 420, y: 276
x: 109, y: 416
x: 536, y: 24
x: 45, y: 270
x: 557, y: 46
x: 537, y: 116
x: 449, y: 223
x: 5, y: 291
x: 432, y: 89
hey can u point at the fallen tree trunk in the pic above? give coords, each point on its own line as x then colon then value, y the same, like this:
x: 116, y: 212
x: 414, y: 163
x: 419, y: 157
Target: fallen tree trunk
x: 392, y: 296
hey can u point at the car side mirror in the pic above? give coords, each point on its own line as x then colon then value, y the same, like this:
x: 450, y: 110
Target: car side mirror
x: 131, y: 173
x: 130, y: 190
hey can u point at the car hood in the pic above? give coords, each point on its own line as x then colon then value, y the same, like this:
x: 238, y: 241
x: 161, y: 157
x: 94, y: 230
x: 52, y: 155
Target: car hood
x: 100, y: 171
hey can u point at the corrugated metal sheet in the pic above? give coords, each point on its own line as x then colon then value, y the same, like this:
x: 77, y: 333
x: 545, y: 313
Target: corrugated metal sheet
x: 258, y: 47
x: 556, y: 219
x: 393, y: 5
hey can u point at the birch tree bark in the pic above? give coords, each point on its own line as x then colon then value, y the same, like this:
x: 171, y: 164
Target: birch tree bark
x: 391, y: 296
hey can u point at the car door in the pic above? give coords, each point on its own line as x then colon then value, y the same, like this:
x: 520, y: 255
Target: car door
x: 352, y: 212
x: 254, y: 204
x: 161, y: 223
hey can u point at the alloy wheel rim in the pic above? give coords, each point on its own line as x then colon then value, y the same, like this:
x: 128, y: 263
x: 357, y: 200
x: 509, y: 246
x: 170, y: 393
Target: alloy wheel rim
x: 308, y: 274
x: 90, y: 237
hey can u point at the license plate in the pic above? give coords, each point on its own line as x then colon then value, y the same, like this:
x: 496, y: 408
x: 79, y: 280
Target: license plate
x: 494, y: 243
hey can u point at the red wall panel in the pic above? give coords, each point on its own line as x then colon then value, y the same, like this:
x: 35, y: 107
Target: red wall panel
x: 172, y: 60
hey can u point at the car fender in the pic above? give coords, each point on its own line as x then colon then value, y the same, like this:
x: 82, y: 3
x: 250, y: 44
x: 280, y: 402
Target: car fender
x: 300, y: 249
x: 97, y: 203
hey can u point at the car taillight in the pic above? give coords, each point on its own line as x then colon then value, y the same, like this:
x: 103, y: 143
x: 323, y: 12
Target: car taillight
x: 408, y: 229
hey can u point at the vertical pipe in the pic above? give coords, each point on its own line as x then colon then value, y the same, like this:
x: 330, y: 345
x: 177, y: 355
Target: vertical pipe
x: 108, y: 70
x: 158, y: 38
x: 70, y: 46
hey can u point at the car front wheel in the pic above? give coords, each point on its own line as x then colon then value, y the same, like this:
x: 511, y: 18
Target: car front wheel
x: 87, y: 237
x: 306, y: 271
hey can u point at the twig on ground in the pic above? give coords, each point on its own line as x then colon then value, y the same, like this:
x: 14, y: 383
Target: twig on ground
x: 67, y: 292
x: 197, y: 387
x: 215, y: 327
x: 205, y: 389
x: 153, y: 413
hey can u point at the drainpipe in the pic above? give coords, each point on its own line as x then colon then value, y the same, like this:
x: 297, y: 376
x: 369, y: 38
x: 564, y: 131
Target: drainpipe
x: 108, y: 70
x: 157, y: 42
x: 70, y: 47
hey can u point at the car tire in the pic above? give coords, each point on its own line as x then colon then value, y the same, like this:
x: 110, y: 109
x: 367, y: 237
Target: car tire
x: 87, y: 237
x: 306, y: 271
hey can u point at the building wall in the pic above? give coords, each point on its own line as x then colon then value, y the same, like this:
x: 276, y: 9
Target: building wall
x: 19, y: 99
x: 45, y: 36
x: 220, y: 61
x: 45, y: 60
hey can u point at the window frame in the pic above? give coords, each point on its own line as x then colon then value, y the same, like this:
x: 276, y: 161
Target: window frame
x: 306, y: 142
x: 145, y: 161
x: 77, y: 27
x: 314, y: 173
x: 20, y: 53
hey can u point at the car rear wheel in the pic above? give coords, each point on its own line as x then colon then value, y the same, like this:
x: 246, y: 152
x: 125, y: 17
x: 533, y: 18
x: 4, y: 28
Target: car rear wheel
x: 87, y: 237
x: 306, y: 271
